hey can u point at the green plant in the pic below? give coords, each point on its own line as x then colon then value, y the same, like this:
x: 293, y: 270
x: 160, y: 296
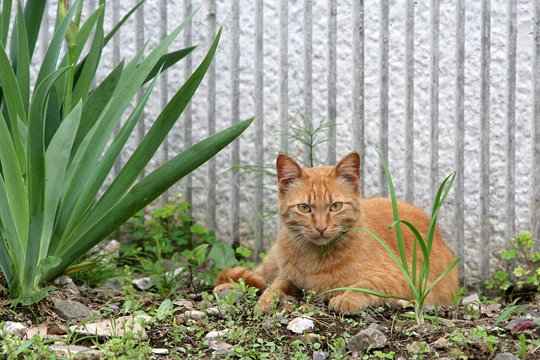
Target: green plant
x: 58, y: 144
x: 523, y: 263
x: 126, y: 347
x: 418, y: 275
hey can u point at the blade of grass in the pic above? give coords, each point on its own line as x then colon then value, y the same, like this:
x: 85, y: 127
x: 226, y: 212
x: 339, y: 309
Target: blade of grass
x: 145, y: 191
x: 366, y: 291
x: 395, y: 258
x: 399, y: 236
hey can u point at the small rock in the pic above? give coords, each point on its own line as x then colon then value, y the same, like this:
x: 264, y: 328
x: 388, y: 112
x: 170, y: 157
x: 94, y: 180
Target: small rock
x: 300, y: 324
x: 440, y: 343
x: 288, y: 303
x: 505, y: 356
x: 63, y: 281
x: 188, y: 304
x: 143, y: 283
x: 212, y: 335
x: 490, y: 310
x: 72, y: 310
x: 213, y: 311
x: 112, y: 247
x: 429, y: 310
x: 378, y: 327
x: 226, y: 292
x: 115, y: 327
x: 320, y: 355
x: 369, y: 337
x: 160, y: 351
x: 193, y: 314
x: 13, y: 329
x: 76, y: 352
x: 471, y: 299
x: 271, y: 322
x: 221, y: 347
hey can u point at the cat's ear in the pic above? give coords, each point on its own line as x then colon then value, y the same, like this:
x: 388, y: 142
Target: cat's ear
x: 348, y: 169
x: 288, y: 171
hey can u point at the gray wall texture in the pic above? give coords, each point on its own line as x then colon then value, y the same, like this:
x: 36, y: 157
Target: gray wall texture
x: 445, y: 103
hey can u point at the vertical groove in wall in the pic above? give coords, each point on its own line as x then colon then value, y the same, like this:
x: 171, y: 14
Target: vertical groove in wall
x: 409, y: 101
x: 235, y: 117
x: 459, y: 224
x: 188, y: 113
x: 308, y: 76
x: 358, y: 83
x: 116, y: 60
x: 211, y: 117
x: 535, y: 199
x: 434, y: 95
x: 283, y: 105
x: 484, y: 137
x: 331, y: 81
x: 511, y: 117
x: 139, y: 44
x: 383, y: 93
x: 164, y: 86
x: 259, y: 128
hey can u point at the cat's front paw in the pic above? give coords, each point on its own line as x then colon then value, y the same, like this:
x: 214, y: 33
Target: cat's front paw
x: 349, y: 302
x: 267, y: 300
x: 222, y: 290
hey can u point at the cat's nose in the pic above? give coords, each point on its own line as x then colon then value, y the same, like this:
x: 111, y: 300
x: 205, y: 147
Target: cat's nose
x: 321, y: 228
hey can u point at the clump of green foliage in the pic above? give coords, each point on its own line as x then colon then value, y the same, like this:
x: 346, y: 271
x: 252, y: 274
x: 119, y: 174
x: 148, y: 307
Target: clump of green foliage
x: 521, y: 264
x: 169, y: 239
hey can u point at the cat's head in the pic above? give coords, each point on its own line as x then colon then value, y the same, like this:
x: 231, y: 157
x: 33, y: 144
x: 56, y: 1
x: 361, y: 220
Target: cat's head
x: 319, y: 204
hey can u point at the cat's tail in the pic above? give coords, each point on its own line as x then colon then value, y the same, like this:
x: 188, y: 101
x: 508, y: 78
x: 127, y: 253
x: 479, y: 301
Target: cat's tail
x: 259, y: 278
x: 225, y: 278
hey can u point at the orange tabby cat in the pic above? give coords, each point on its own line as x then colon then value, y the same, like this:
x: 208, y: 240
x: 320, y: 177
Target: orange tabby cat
x: 323, y: 204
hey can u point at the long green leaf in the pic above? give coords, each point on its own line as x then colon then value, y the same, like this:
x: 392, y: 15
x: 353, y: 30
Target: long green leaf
x: 98, y: 176
x: 399, y: 235
x: 85, y: 78
x: 96, y: 102
x: 33, y: 15
x: 439, y: 200
x: 15, y: 192
x: 48, y: 65
x: 169, y: 60
x: 157, y: 133
x: 56, y: 162
x: 86, y: 159
x: 399, y: 263
x: 121, y: 22
x: 13, y: 102
x: 366, y: 291
x: 5, y: 19
x: 36, y: 177
x: 21, y: 58
x: 144, y: 192
x: 443, y: 274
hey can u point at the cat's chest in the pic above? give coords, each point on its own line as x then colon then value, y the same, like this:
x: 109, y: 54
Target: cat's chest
x: 310, y: 273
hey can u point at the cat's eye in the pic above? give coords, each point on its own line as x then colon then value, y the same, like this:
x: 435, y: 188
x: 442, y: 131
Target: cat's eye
x: 336, y: 206
x: 304, y: 208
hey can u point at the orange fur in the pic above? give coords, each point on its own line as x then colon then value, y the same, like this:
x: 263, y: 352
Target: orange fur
x: 336, y: 212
